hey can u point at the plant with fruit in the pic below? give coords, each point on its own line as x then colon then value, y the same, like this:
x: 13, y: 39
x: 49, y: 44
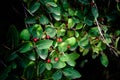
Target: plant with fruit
x: 57, y: 34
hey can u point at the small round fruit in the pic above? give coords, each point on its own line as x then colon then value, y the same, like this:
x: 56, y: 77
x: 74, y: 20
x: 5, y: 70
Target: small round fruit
x: 35, y: 39
x: 48, y: 60
x: 47, y: 37
x: 56, y: 59
x: 68, y: 46
x: 92, y: 4
x: 59, y: 39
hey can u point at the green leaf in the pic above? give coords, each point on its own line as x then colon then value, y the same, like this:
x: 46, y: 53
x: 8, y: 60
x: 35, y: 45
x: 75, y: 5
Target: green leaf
x: 77, y: 34
x: 59, y: 64
x: 57, y: 75
x: 71, y: 12
x: 26, y: 47
x: 5, y: 73
x: 95, y: 12
x: 30, y: 20
x: 54, y: 10
x: 74, y: 56
x: 25, y: 34
x: 12, y: 56
x: 56, y: 17
x: 70, y: 33
x: 31, y: 55
x: 71, y: 41
x: 12, y: 36
x: 36, y: 31
x: 44, y: 44
x: 51, y: 4
x: 29, y: 71
x: 43, y: 53
x: 33, y: 8
x: 42, y: 67
x: 71, y: 62
x: 50, y: 31
x: 48, y: 66
x: 116, y: 42
x: 70, y: 23
x: 104, y: 60
x: 62, y: 47
x: 88, y: 21
x: 79, y: 26
x: 84, y: 1
x: 71, y: 73
x: 61, y: 32
x: 44, y: 20
x: 64, y: 57
x: 84, y: 42
x: 94, y: 32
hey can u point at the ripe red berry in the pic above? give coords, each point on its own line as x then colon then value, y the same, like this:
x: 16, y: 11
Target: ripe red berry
x: 48, y: 60
x: 47, y: 37
x: 35, y: 39
x: 56, y: 59
x: 59, y: 39
x: 92, y: 4
x: 68, y: 46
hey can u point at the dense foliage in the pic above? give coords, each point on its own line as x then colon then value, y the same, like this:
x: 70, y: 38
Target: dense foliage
x: 57, y: 33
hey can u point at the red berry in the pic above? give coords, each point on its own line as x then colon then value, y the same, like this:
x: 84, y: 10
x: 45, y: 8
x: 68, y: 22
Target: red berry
x: 92, y: 4
x: 47, y: 37
x: 56, y: 59
x: 68, y: 46
x: 48, y: 60
x: 59, y: 39
x: 35, y: 39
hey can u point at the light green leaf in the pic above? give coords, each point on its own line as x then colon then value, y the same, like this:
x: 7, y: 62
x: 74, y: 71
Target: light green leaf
x: 77, y: 34
x: 51, y: 4
x: 70, y: 23
x: 44, y: 44
x: 33, y: 8
x: 25, y: 34
x: 71, y: 62
x: 61, y: 32
x: 79, y: 26
x: 62, y: 47
x: 54, y: 10
x: 64, y: 57
x: 48, y: 66
x: 26, y: 47
x: 71, y: 73
x: 50, y: 31
x: 104, y: 60
x: 59, y: 64
x: 71, y: 41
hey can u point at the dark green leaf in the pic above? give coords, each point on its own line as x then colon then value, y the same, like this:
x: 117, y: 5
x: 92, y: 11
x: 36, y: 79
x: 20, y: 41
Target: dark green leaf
x: 48, y: 66
x: 26, y: 47
x: 29, y: 71
x: 30, y: 20
x: 43, y: 53
x: 44, y: 20
x: 57, y: 75
x: 34, y: 7
x: 41, y: 67
x: 12, y: 56
x: 56, y: 17
x: 95, y: 12
x: 104, y: 60
x: 44, y: 44
x: 71, y: 73
x: 94, y: 32
x: 13, y: 36
x: 84, y: 1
